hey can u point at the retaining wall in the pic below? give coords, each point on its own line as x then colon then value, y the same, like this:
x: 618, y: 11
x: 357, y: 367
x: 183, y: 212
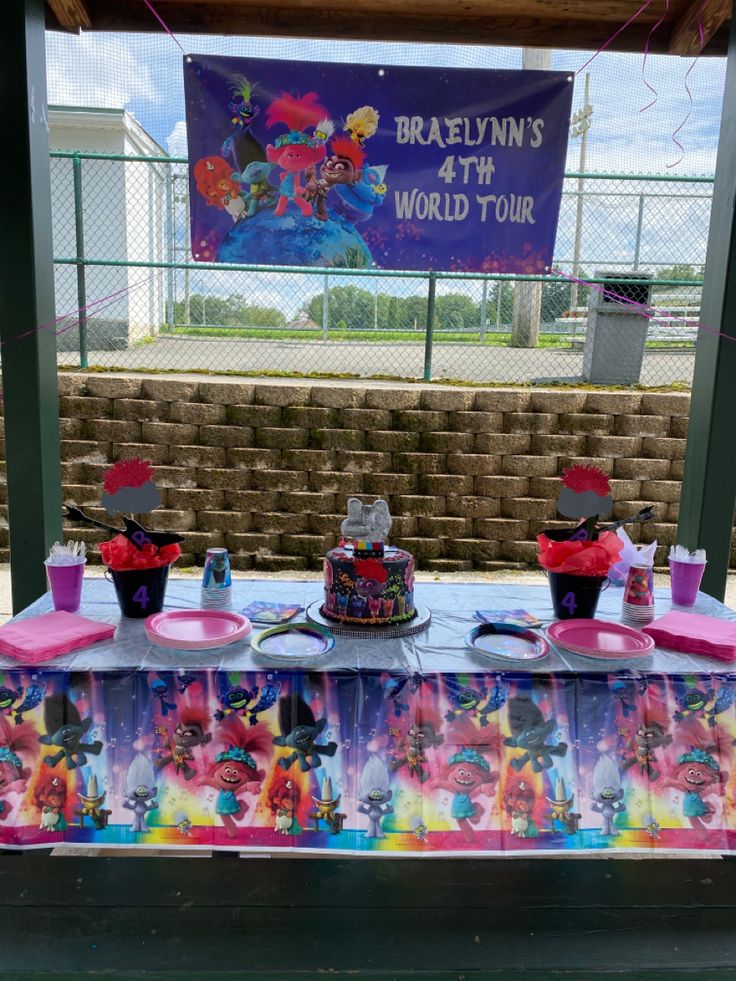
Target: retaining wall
x: 265, y: 469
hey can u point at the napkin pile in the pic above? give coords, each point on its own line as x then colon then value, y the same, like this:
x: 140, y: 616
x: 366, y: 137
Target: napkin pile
x: 694, y: 633
x: 50, y: 635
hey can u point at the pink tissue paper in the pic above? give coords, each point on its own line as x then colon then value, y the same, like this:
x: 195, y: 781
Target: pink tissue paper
x: 693, y: 633
x: 50, y: 635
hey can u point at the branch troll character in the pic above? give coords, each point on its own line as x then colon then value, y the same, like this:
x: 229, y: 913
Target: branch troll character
x: 50, y: 799
x: 260, y: 192
x: 190, y: 731
x: 284, y: 799
x: 696, y: 775
x: 16, y: 743
x: 608, y: 794
x: 423, y: 734
x: 530, y: 731
x: 375, y: 795
x: 65, y: 728
x: 295, y: 150
x: 140, y: 791
x: 299, y: 732
x: 234, y: 772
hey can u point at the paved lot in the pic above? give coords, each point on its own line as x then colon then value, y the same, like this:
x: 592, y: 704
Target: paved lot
x: 465, y: 362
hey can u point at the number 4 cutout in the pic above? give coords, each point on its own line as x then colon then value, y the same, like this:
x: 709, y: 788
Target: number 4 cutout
x: 570, y: 604
x: 141, y: 597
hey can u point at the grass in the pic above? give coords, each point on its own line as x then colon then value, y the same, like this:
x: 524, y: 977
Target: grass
x: 546, y: 341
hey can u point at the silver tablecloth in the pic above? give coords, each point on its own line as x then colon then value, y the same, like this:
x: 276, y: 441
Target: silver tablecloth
x: 441, y: 647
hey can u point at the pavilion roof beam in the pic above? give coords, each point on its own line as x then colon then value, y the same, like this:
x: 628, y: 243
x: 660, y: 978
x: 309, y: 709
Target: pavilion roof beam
x: 697, y: 25
x: 72, y: 15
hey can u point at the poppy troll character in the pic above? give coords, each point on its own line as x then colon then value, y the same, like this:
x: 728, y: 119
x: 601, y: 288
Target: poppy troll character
x: 299, y: 732
x: 361, y: 124
x: 696, y: 775
x: 65, y: 728
x: 234, y: 772
x: 284, y: 798
x: 191, y: 731
x: 294, y: 151
x: 518, y: 800
x: 423, y: 733
x: 50, y: 799
x: 375, y: 795
x: 16, y: 742
x: 140, y: 791
x: 466, y: 775
x: 343, y: 166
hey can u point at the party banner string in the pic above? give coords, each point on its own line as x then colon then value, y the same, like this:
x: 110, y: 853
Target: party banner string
x: 646, y: 55
x: 163, y: 24
x: 701, y: 37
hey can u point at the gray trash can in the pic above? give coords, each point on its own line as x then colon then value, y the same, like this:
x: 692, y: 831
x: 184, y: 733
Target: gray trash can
x: 617, y: 331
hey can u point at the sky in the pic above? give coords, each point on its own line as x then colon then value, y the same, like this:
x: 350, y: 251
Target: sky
x: 142, y: 73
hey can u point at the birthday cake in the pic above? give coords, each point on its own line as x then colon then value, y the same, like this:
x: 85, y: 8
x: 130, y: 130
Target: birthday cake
x: 366, y: 581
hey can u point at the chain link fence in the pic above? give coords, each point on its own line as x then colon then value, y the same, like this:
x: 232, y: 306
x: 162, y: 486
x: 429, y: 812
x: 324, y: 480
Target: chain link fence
x: 136, y: 301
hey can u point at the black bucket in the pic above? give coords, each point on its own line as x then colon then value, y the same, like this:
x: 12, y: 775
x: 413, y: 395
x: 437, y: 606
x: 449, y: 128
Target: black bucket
x: 140, y: 592
x: 575, y: 597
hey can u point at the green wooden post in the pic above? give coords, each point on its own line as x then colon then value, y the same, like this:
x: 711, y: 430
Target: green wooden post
x: 429, y: 335
x: 81, y: 273
x: 709, y: 485
x: 30, y: 392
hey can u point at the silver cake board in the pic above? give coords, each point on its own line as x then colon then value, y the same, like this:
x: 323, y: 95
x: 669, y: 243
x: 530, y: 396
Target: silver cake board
x: 420, y: 621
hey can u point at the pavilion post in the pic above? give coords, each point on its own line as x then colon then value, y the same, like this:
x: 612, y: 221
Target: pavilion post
x: 709, y: 485
x: 29, y: 372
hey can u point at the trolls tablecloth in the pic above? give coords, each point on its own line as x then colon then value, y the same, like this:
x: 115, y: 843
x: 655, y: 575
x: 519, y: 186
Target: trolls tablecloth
x: 420, y: 752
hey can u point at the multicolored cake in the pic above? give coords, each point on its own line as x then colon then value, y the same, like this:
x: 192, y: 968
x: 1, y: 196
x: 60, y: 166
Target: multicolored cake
x: 366, y: 581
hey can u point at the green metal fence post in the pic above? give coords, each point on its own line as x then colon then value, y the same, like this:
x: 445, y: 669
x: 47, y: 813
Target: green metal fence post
x: 81, y: 273
x: 429, y: 335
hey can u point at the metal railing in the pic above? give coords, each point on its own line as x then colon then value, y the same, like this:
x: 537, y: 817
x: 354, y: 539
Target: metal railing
x: 121, y: 233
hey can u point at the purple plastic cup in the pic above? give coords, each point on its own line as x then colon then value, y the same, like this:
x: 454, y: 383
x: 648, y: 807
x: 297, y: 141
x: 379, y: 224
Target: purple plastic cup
x: 685, y: 580
x: 66, y: 584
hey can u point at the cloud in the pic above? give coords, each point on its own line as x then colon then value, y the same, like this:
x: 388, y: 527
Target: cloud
x: 176, y: 142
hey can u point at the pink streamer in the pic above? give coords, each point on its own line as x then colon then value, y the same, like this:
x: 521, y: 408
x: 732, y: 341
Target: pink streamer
x: 689, y: 93
x: 646, y: 55
x: 641, y: 309
x: 163, y: 24
x: 611, y: 39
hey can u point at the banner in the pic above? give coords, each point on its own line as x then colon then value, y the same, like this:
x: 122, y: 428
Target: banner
x: 359, y: 166
x: 486, y: 763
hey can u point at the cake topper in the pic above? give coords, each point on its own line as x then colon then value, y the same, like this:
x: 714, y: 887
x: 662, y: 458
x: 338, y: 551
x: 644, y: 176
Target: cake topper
x: 366, y: 522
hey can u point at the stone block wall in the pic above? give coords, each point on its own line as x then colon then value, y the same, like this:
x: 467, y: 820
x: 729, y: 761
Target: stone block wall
x: 265, y: 469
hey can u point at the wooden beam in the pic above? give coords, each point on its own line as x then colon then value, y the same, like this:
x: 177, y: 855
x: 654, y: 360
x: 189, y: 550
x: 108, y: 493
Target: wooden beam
x: 72, y: 15
x: 29, y: 369
x: 708, y: 495
x: 697, y: 26
x: 502, y: 25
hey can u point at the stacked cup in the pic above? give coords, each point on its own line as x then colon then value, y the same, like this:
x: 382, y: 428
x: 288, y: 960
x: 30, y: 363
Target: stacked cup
x: 638, y: 602
x: 217, y: 586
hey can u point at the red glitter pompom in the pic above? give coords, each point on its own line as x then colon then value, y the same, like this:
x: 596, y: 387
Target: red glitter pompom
x: 127, y: 473
x: 581, y: 478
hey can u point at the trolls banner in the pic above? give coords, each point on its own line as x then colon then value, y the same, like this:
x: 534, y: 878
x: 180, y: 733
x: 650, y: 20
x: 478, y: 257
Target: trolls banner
x: 315, y: 164
x: 492, y: 763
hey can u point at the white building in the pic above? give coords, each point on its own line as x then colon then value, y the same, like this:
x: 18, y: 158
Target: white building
x: 124, y: 207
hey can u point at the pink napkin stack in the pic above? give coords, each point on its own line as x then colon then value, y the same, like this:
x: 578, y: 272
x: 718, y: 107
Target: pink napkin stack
x: 693, y: 633
x: 50, y: 635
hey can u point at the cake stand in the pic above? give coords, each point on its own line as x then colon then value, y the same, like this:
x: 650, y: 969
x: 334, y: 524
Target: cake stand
x: 420, y: 621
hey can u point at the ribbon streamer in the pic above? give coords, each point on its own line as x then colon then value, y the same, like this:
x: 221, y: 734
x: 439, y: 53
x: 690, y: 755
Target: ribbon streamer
x: 646, y: 55
x: 611, y: 39
x: 163, y: 24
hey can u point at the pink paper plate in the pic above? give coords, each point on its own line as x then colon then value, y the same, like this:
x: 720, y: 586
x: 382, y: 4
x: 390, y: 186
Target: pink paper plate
x: 598, y: 638
x: 196, y: 630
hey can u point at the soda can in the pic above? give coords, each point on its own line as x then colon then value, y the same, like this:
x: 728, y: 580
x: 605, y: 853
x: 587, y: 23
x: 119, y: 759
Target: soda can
x: 216, y: 569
